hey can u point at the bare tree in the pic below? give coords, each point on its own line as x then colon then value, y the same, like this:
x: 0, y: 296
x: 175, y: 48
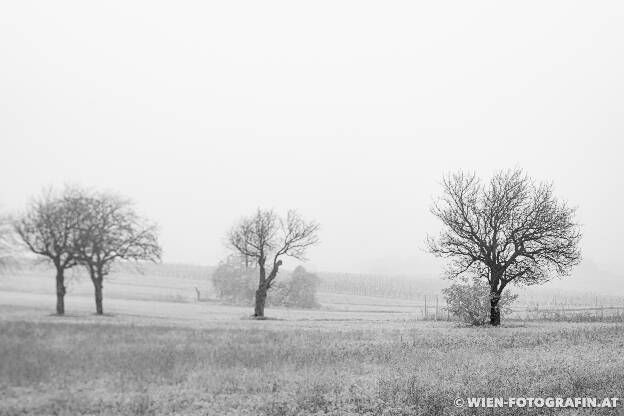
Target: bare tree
x: 511, y: 229
x: 265, y: 237
x: 48, y: 228
x: 112, y: 230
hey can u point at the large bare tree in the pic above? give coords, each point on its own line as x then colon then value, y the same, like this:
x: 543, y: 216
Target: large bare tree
x: 112, y: 230
x: 266, y: 239
x: 508, y: 230
x: 48, y: 228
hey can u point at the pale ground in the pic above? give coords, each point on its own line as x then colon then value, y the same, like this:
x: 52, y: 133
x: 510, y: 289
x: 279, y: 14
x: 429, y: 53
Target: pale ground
x: 168, y: 298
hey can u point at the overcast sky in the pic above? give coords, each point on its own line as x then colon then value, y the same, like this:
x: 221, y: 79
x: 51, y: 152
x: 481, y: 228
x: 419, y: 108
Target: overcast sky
x: 350, y: 111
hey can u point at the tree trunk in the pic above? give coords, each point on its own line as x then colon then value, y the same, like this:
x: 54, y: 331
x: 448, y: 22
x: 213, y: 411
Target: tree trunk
x: 60, y: 292
x: 494, y: 308
x: 261, y: 295
x: 97, y: 283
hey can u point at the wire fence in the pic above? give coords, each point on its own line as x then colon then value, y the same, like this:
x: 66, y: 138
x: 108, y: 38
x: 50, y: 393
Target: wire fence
x: 435, y: 308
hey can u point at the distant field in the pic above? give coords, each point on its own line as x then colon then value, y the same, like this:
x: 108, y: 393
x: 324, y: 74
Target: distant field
x: 180, y: 283
x: 125, y: 292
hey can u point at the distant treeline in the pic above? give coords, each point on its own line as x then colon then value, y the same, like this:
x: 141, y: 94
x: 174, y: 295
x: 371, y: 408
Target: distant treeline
x: 398, y: 287
x: 418, y: 287
x: 175, y: 270
x: 180, y: 271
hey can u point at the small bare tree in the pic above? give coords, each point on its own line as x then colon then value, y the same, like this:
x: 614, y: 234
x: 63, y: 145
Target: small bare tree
x: 264, y: 238
x: 112, y: 230
x: 508, y: 230
x: 48, y: 228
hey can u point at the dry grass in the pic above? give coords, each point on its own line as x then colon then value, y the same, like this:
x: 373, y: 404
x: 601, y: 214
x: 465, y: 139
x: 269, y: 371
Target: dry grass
x: 123, y: 365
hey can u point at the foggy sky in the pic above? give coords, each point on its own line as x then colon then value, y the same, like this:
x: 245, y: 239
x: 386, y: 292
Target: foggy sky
x: 349, y: 111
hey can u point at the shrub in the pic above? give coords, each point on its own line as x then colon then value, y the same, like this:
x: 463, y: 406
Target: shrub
x: 298, y: 291
x: 471, y: 302
x: 234, y: 282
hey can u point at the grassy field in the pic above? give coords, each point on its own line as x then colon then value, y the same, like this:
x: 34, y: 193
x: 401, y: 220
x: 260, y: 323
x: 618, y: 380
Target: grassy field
x: 159, y: 351
x: 123, y: 364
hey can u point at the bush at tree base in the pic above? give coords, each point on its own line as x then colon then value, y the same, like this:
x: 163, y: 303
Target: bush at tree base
x: 298, y: 291
x: 470, y: 302
x: 234, y: 283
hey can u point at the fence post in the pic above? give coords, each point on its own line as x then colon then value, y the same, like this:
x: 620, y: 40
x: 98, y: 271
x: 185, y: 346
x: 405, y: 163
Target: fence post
x: 436, y: 313
x: 425, y: 307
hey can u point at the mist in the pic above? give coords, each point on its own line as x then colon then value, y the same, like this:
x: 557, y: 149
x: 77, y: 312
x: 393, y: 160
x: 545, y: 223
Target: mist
x: 349, y: 112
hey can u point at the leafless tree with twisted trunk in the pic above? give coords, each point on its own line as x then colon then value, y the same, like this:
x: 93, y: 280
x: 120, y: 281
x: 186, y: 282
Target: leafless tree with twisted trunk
x: 508, y: 230
x: 266, y: 237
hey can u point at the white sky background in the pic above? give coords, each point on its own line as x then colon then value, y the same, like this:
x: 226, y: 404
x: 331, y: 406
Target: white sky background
x: 349, y: 111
